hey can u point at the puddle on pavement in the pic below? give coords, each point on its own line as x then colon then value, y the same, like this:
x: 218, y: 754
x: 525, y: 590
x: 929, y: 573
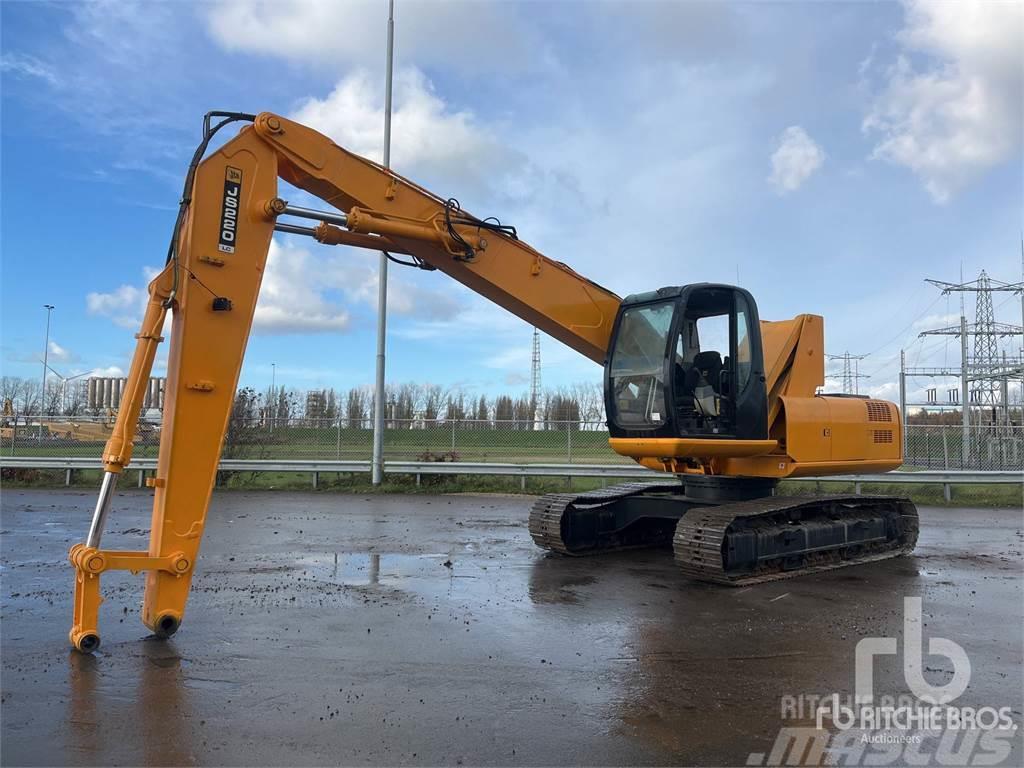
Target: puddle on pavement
x: 360, y: 569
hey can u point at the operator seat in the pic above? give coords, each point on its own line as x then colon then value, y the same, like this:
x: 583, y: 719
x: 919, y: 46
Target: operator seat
x: 707, y: 366
x: 702, y: 383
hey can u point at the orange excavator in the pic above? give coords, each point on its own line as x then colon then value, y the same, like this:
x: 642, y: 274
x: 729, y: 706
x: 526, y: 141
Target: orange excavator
x: 696, y: 385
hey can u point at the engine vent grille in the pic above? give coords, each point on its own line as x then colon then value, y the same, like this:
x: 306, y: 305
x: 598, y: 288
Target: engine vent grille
x: 878, y: 411
x: 883, y: 435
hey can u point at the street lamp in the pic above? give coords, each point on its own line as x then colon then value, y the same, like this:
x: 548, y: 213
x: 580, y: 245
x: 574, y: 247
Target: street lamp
x: 46, y: 349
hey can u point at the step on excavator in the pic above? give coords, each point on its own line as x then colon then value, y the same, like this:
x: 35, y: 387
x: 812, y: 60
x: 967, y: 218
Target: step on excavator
x: 696, y: 385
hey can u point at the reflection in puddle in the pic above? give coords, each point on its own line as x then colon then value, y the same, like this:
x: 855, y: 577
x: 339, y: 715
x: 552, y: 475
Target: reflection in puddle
x: 359, y: 569
x: 555, y: 579
x: 162, y: 719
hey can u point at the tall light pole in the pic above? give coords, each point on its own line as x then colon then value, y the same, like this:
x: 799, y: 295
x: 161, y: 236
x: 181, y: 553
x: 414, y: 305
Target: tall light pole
x: 46, y: 351
x: 382, y: 283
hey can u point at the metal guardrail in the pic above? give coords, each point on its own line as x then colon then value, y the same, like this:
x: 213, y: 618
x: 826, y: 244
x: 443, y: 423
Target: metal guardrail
x: 946, y: 478
x: 926, y: 447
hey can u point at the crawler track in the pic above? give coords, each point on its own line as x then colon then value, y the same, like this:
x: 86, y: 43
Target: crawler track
x: 735, y: 543
x: 703, y: 547
x: 548, y: 518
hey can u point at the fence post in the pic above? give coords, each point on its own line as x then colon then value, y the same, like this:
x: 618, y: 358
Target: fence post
x: 947, y: 494
x: 453, y: 435
x: 316, y: 480
x: 568, y: 442
x: 339, y: 439
x: 142, y: 478
x: 945, y: 448
x: 67, y: 477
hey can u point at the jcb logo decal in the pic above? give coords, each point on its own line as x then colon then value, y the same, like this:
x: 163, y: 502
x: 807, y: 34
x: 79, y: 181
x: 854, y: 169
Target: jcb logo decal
x: 229, y: 210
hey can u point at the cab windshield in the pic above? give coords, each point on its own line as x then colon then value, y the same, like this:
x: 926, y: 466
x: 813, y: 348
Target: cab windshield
x: 637, y: 370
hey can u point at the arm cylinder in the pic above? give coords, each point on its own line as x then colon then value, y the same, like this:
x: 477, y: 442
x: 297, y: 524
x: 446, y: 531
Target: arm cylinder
x: 118, y: 451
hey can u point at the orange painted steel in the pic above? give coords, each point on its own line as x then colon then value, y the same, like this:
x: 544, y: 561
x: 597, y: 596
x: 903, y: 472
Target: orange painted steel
x: 211, y: 290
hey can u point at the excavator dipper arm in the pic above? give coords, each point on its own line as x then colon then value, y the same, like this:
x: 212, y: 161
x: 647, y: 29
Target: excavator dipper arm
x: 210, y: 285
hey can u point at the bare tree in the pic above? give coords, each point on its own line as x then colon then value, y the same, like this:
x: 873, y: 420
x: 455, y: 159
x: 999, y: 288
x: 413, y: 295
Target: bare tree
x: 404, y: 409
x: 589, y: 395
x: 10, y: 391
x: 52, y: 401
x: 355, y: 408
x: 504, y: 410
x: 243, y: 423
x: 75, y: 404
x: 523, y: 412
x: 455, y: 409
x: 433, y: 396
x: 481, y: 414
x: 244, y: 436
x: 27, y: 399
x: 331, y: 410
x: 561, y: 411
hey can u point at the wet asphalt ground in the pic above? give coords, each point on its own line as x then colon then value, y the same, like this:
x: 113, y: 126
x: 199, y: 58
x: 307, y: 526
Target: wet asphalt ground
x: 329, y: 629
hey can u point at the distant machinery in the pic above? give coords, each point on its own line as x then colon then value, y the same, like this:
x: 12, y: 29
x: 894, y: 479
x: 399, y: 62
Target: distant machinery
x: 105, y: 392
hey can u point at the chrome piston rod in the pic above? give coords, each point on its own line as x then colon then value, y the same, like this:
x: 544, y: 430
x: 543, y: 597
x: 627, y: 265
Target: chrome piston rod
x: 294, y: 229
x: 99, y: 515
x: 308, y: 213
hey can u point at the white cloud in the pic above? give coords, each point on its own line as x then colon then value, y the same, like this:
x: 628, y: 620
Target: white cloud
x: 27, y: 66
x: 795, y: 160
x: 57, y: 352
x: 305, y: 293
x: 887, y: 391
x: 430, y: 141
x: 474, y: 37
x: 124, y: 305
x: 109, y: 372
x: 292, y: 298
x: 960, y: 114
x: 937, y: 321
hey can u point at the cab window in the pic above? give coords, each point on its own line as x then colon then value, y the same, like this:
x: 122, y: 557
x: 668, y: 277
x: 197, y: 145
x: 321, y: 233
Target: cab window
x: 637, y: 366
x: 743, y: 353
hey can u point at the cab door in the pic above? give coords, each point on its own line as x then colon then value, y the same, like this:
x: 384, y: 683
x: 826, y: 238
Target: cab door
x: 717, y: 387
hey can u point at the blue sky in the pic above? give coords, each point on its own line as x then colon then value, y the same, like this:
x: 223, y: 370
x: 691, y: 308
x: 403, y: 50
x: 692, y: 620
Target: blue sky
x: 828, y: 156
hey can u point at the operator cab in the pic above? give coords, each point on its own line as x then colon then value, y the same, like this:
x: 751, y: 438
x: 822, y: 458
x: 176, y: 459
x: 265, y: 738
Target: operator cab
x: 687, y: 362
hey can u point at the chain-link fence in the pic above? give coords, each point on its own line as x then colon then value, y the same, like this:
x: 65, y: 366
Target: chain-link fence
x: 560, y: 442
x: 926, y: 447
x: 945, y: 447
